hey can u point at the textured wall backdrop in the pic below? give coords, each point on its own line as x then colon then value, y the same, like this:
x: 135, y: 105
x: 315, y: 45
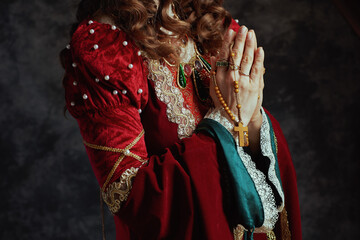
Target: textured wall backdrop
x: 48, y: 190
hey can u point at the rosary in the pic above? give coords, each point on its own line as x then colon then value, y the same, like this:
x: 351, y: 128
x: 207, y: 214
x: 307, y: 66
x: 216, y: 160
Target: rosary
x: 238, y: 126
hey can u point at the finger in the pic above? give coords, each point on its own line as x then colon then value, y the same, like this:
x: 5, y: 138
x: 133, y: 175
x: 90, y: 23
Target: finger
x: 239, y: 45
x: 224, y: 51
x: 257, y: 68
x: 255, y: 46
x: 248, y: 56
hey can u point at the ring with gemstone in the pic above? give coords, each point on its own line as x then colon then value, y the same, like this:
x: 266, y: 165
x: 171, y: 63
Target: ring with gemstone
x: 234, y: 67
x: 222, y: 64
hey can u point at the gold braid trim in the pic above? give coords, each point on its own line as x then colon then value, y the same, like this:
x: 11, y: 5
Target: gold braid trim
x: 238, y: 232
x: 117, y: 192
x: 270, y: 236
x: 124, y: 152
x: 284, y: 225
x: 284, y: 222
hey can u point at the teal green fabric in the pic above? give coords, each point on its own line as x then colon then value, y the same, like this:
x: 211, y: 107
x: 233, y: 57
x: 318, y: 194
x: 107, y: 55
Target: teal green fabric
x: 248, y: 203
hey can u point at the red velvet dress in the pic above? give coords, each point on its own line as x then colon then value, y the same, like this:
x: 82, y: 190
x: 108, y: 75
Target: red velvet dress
x: 160, y: 180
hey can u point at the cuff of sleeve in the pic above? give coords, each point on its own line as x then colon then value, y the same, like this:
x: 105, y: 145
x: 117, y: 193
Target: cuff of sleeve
x: 117, y: 192
x: 268, y: 149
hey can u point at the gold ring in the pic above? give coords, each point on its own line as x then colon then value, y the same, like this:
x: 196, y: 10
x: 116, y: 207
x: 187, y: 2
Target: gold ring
x: 243, y: 74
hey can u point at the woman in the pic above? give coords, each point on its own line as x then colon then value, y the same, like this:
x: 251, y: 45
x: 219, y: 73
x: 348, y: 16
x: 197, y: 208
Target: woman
x: 168, y: 96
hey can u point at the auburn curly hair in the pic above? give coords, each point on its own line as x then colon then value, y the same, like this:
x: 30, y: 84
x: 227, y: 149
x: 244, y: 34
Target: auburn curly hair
x: 205, y: 21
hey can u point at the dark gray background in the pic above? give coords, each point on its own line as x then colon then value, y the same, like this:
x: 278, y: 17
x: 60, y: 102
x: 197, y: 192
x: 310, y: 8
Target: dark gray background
x: 48, y: 190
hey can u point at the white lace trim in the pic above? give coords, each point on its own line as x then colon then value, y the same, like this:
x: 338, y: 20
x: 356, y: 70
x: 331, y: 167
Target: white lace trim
x: 262, y: 187
x: 168, y: 93
x: 266, y: 150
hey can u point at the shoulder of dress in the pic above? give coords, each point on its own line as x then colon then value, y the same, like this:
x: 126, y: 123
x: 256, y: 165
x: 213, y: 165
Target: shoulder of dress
x: 234, y: 25
x: 92, y: 35
x: 104, y: 69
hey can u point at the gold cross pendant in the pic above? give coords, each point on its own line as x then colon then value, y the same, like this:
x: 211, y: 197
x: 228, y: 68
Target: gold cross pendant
x: 243, y: 134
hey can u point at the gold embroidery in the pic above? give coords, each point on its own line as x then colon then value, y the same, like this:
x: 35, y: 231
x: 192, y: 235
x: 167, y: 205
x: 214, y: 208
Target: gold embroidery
x: 284, y: 223
x: 117, y: 192
x: 276, y: 144
x: 168, y: 93
x: 238, y: 232
x: 270, y: 236
x: 124, y: 152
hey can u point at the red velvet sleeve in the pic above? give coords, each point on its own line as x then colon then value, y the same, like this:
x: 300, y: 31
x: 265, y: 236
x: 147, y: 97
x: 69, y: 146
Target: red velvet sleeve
x: 176, y: 195
x: 105, y: 90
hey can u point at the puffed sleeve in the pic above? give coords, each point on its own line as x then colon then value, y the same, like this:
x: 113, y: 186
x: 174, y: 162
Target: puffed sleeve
x: 106, y: 91
x: 176, y: 195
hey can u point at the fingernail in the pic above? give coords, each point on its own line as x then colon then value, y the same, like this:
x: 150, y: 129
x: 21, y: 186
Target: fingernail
x: 261, y: 51
x: 250, y: 35
x: 243, y: 29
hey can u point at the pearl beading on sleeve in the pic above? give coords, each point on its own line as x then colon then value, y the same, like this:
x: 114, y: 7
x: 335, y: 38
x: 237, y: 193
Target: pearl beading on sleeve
x: 93, y: 30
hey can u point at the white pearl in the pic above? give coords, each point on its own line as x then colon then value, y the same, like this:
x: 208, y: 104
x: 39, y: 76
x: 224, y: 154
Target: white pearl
x: 140, y: 91
x: 139, y: 53
x: 140, y: 111
x: 85, y: 96
x: 107, y: 77
x: 92, y: 31
x: 75, y: 83
x: 237, y: 20
x: 115, y: 92
x: 130, y: 66
x: 96, y: 46
x: 127, y: 152
x: 113, y: 27
x: 68, y: 46
x: 124, y: 92
x: 72, y: 104
x: 125, y: 43
x: 97, y: 80
x: 74, y: 65
x: 90, y: 22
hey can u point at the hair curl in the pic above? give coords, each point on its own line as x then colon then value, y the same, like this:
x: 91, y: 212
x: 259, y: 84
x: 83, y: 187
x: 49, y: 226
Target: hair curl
x: 205, y: 21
